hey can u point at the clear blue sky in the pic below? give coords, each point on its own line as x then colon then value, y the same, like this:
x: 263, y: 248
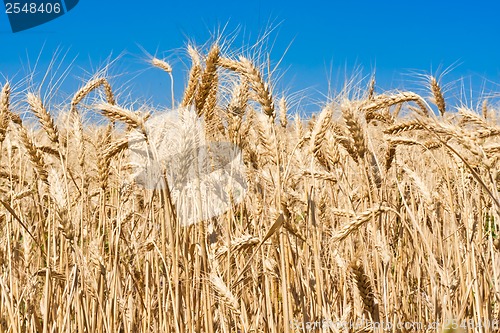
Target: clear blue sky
x: 325, y: 37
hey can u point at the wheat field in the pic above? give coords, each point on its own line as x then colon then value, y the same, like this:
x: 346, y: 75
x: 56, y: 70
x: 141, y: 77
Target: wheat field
x: 381, y: 208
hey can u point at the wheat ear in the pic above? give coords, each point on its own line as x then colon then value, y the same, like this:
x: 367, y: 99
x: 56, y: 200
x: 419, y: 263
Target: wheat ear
x: 76, y: 123
x: 320, y: 129
x: 208, y: 78
x: 225, y: 294
x: 44, y: 117
x: 484, y: 109
x: 161, y: 64
x: 261, y: 88
x: 4, y: 110
x: 283, y: 112
x: 194, y: 77
x: 383, y: 117
x: 236, y: 109
x: 438, y: 95
x: 355, y: 128
x: 212, y: 120
x: 239, y: 99
x: 362, y: 283
x: 390, y: 153
x: 371, y: 88
x: 230, y: 64
x: 103, y: 159
x: 115, y: 113
x: 404, y: 127
x: 34, y: 155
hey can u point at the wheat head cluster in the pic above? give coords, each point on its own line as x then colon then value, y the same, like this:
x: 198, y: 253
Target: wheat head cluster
x: 382, y: 207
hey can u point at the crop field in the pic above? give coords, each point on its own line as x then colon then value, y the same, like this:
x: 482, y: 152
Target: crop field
x: 230, y: 213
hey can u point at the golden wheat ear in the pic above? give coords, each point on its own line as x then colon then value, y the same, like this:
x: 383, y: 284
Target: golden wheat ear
x: 46, y: 120
x: 208, y: 79
x: 355, y: 128
x: 194, y: 78
x: 4, y: 110
x: 34, y: 154
x: 438, y: 95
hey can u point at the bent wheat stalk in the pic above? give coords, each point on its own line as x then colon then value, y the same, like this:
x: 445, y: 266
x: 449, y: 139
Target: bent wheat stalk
x: 89, y: 87
x: 354, y: 225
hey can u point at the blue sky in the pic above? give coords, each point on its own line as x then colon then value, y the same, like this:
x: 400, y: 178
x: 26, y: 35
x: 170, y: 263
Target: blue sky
x: 323, y: 40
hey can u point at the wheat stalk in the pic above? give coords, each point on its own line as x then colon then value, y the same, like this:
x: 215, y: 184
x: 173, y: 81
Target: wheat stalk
x: 165, y: 66
x: 385, y: 101
x: 89, y: 87
x: 353, y: 225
